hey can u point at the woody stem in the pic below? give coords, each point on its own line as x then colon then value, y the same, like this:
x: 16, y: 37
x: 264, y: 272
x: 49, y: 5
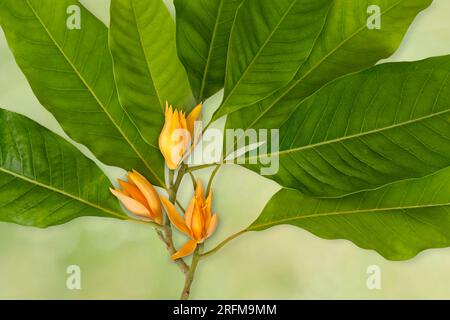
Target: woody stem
x: 190, y: 275
x: 198, y: 253
x: 166, y: 235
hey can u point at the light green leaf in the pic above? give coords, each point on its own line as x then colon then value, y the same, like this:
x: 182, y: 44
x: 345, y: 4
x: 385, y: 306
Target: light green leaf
x: 203, y: 33
x: 345, y: 45
x: 398, y: 221
x: 146, y: 66
x: 388, y: 123
x: 70, y: 72
x: 269, y: 42
x: 44, y: 180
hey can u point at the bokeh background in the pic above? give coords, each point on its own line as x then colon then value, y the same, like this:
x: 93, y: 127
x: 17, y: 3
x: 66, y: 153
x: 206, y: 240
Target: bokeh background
x: 125, y: 260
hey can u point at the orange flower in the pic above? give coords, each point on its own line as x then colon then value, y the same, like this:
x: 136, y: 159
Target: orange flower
x: 198, y: 223
x: 140, y: 197
x: 177, y: 134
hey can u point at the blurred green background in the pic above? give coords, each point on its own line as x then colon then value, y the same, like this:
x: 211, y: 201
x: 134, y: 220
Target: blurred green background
x: 125, y: 260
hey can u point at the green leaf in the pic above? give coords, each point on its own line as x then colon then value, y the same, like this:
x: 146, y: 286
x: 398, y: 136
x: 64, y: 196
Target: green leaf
x: 44, y: 180
x: 70, y: 72
x: 388, y: 123
x: 345, y: 45
x: 269, y: 42
x: 203, y: 33
x: 146, y: 66
x: 398, y: 221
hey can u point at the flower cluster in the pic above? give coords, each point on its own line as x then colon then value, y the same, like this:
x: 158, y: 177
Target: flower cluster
x: 137, y: 194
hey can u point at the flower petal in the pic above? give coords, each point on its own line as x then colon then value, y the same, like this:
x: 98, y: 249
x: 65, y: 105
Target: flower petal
x: 165, y: 138
x: 131, y: 190
x: 131, y: 204
x: 169, y: 112
x: 178, y: 121
x: 174, y: 216
x: 192, y: 117
x: 165, y: 146
x: 207, y: 210
x: 189, y: 212
x: 186, y: 250
x: 199, y: 191
x: 212, y: 225
x: 198, y: 222
x: 183, y: 123
x: 174, y: 138
x: 149, y: 193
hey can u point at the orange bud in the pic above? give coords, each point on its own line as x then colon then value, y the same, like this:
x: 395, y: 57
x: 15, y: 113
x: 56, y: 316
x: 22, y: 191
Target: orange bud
x: 140, y: 197
x: 177, y: 134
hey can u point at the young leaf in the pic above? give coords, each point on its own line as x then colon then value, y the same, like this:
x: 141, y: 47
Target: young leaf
x: 44, y: 180
x: 70, y: 72
x: 388, y: 123
x: 146, y: 66
x: 269, y: 42
x: 398, y: 221
x: 203, y: 33
x: 345, y: 45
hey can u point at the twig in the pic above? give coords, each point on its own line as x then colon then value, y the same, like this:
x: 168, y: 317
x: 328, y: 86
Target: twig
x: 190, y: 276
x: 211, y: 178
x: 166, y: 235
x: 202, y: 166
x: 148, y: 223
x: 223, y: 243
x: 167, y: 239
x: 180, y: 206
x: 194, y: 182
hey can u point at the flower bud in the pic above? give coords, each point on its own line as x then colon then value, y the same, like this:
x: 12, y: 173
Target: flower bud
x: 140, y: 197
x: 177, y: 134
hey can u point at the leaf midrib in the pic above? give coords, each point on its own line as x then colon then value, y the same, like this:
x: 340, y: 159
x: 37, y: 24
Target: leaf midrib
x: 312, y: 69
x: 338, y: 213
x: 258, y: 53
x: 62, y: 192
x: 358, y: 135
x: 147, y: 60
x: 211, y: 48
x: 92, y: 92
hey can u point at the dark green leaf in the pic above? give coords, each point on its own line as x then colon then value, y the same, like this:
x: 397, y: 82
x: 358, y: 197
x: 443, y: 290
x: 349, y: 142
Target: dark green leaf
x: 269, y: 42
x: 70, y: 72
x: 146, y: 66
x: 203, y: 33
x: 388, y: 123
x: 44, y: 180
x: 398, y: 221
x: 345, y: 45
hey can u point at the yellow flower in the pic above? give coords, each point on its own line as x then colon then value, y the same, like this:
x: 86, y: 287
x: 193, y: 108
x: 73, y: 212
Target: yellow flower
x: 177, y: 134
x: 198, y: 223
x: 140, y: 197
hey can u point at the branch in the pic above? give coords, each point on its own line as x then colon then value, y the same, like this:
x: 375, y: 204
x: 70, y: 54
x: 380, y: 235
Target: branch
x: 190, y: 276
x: 166, y: 234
